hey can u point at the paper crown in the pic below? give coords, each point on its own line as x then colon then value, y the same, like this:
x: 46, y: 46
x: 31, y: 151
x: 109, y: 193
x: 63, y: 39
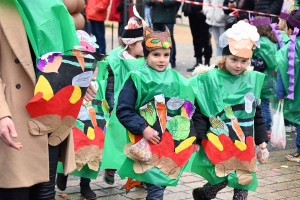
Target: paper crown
x: 260, y: 21
x: 239, y: 40
x: 292, y: 20
x: 156, y: 39
x: 287, y: 7
x: 133, y: 32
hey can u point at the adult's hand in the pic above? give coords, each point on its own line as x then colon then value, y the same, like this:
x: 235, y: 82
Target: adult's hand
x: 7, y: 131
x: 232, y: 5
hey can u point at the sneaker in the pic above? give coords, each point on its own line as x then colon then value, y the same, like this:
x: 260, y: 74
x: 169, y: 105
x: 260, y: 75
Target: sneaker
x: 198, y: 194
x: 109, y: 176
x: 269, y: 132
x: 293, y: 157
x: 288, y: 129
x: 87, y: 192
x: 61, y: 181
x: 293, y: 129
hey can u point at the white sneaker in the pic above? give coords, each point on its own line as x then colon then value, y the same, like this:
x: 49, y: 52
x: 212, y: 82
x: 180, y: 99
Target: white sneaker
x: 288, y: 129
x: 293, y: 129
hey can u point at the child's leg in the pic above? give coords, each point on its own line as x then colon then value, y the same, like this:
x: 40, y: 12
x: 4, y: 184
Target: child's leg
x: 240, y: 194
x: 296, y: 156
x: 208, y: 191
x: 265, y: 105
x: 155, y: 192
x: 85, y: 188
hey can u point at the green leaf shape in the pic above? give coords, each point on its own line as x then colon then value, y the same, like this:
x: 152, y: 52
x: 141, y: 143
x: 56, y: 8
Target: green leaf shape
x: 218, y: 126
x: 148, y: 112
x: 179, y: 127
x: 169, y: 39
x: 155, y: 41
x: 229, y: 112
x: 79, y: 124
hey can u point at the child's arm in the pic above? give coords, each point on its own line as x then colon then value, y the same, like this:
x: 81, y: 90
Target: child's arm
x: 201, y: 124
x: 126, y: 113
x: 260, y: 133
x: 280, y: 92
x: 128, y: 117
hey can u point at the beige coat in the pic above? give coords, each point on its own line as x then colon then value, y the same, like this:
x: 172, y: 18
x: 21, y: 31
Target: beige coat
x: 30, y: 165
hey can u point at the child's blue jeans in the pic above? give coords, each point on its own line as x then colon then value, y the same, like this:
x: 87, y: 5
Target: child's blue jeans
x: 155, y: 192
x: 265, y: 106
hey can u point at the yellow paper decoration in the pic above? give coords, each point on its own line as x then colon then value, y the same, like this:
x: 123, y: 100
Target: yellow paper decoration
x: 241, y: 145
x: 131, y: 137
x: 91, y: 133
x: 185, y: 144
x: 215, y: 140
x: 76, y: 95
x: 44, y: 86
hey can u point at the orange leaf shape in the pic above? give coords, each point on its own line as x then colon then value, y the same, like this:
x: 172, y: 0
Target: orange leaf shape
x: 162, y: 115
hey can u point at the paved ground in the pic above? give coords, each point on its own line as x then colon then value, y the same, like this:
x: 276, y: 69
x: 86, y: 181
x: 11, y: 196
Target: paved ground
x: 279, y: 179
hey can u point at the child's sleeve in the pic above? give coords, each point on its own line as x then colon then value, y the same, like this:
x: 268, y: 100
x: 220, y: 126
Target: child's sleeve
x: 201, y: 124
x: 126, y: 113
x: 260, y: 133
x: 280, y: 92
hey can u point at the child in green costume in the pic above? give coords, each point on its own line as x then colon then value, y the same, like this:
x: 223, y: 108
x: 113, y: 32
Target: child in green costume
x: 229, y: 120
x: 263, y: 61
x: 154, y: 106
x: 112, y: 72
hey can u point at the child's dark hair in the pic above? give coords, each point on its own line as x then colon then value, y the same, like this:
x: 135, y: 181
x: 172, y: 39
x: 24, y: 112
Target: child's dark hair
x: 121, y: 42
x: 266, y: 30
x: 296, y: 16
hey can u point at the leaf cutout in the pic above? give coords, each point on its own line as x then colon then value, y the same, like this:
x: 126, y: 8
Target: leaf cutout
x: 80, y: 125
x: 155, y: 41
x: 175, y: 103
x: 149, y: 114
x: 179, y: 127
x: 105, y: 109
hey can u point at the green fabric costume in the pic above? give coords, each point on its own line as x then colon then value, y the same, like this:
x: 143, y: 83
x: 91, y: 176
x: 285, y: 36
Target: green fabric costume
x: 227, y: 110
x: 150, y: 83
x: 49, y: 26
x: 267, y: 52
x: 291, y: 108
x: 120, y: 68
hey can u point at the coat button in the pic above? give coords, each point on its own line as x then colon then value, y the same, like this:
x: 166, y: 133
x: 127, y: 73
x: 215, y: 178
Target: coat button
x: 17, y: 61
x: 18, y: 86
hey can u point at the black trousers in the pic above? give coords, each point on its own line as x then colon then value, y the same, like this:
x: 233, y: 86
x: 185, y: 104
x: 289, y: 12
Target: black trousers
x: 41, y: 191
x: 201, y: 35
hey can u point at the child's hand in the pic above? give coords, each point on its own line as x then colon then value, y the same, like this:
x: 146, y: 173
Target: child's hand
x: 262, y: 146
x: 196, y: 147
x: 150, y: 135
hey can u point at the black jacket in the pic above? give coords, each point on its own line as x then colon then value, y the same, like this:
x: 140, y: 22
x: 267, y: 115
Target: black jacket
x: 269, y: 6
x: 202, y: 124
x: 241, y: 4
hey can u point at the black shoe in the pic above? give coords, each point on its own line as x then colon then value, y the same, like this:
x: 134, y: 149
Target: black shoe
x: 198, y: 194
x: 86, y: 191
x: 61, y: 181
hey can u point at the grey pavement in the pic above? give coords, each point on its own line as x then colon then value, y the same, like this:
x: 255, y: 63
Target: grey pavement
x: 278, y: 179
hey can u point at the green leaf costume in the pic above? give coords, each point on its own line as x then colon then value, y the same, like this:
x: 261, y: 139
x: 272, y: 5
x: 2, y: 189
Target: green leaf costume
x: 267, y: 52
x: 291, y: 109
x: 150, y: 83
x: 231, y: 98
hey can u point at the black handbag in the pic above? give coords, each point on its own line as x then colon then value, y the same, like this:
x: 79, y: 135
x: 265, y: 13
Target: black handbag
x: 230, y: 20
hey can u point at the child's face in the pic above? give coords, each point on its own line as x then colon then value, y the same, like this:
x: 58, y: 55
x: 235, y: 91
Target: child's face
x: 158, y: 59
x: 136, y: 49
x: 236, y: 65
x: 281, y: 25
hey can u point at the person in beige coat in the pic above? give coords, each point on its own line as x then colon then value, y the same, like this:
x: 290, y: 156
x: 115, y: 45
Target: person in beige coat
x: 25, y: 171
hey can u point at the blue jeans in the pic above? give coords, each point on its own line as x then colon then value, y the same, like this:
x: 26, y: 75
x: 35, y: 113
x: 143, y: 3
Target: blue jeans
x: 161, y: 27
x: 298, y: 138
x: 265, y: 106
x: 155, y: 192
x: 148, y: 16
x: 98, y: 30
x: 217, y: 32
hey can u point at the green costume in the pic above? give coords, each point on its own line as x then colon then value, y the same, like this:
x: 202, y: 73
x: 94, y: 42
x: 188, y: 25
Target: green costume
x: 120, y: 68
x: 170, y: 119
x: 227, y: 153
x: 267, y: 52
x: 291, y: 108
